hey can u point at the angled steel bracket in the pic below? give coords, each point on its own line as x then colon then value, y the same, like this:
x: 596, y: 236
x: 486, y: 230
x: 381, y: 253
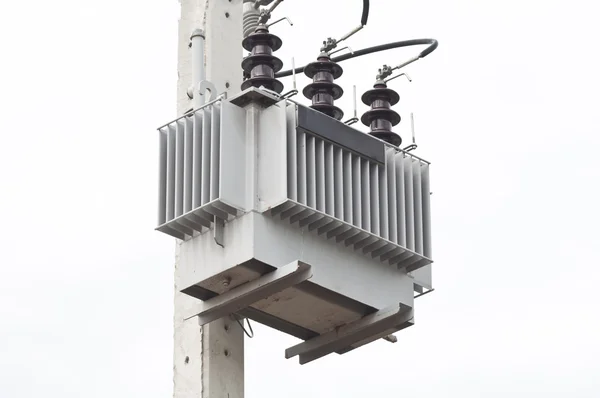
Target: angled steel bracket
x: 249, y: 293
x: 354, y: 334
x: 253, y: 94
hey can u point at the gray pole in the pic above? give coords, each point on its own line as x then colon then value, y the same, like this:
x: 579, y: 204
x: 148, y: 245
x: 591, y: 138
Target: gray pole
x: 208, y: 361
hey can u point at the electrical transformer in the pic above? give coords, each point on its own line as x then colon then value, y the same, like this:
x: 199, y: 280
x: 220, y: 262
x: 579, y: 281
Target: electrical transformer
x: 294, y: 219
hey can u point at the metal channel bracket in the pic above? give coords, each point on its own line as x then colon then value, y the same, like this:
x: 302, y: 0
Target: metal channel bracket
x: 249, y: 293
x: 354, y: 334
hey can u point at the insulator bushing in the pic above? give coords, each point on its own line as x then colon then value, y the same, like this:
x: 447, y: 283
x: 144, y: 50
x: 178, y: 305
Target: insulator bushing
x: 250, y: 18
x: 380, y: 118
x: 323, y: 91
x: 261, y: 65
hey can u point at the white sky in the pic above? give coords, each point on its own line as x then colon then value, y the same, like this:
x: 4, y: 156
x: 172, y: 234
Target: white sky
x: 506, y: 109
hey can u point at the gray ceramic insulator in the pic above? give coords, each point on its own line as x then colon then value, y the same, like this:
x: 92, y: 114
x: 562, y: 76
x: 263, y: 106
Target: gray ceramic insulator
x: 250, y: 18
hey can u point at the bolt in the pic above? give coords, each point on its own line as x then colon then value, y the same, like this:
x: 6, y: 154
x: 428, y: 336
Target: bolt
x: 226, y: 282
x: 226, y: 15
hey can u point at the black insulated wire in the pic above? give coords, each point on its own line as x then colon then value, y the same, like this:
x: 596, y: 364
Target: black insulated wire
x: 365, y: 13
x: 241, y: 323
x: 398, y: 44
x: 433, y: 44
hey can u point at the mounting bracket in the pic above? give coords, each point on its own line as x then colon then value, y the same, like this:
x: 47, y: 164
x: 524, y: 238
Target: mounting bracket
x: 249, y: 293
x: 346, y: 338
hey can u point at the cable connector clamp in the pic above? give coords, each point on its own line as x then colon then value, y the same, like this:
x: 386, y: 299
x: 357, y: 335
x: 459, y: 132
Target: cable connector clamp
x: 331, y: 43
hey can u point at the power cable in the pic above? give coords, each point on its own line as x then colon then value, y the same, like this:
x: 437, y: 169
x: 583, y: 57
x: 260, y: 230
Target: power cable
x: 433, y: 44
x: 365, y: 13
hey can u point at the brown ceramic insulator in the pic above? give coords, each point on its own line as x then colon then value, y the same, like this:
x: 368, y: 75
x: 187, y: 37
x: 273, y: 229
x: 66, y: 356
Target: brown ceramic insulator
x: 381, y: 118
x: 260, y: 66
x: 323, y: 91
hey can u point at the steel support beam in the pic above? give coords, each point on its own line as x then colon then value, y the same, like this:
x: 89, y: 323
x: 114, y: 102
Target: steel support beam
x: 346, y: 336
x: 249, y: 293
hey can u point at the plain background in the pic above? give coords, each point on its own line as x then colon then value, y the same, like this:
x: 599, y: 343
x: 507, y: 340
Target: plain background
x: 506, y: 109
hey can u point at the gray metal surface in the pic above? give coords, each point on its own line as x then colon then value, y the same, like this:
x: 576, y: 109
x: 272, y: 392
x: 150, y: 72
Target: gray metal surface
x: 347, y: 272
x: 381, y: 209
x: 364, y: 242
x: 194, y: 158
x: 316, y: 123
x: 254, y: 236
x: 272, y: 191
x: 190, y: 142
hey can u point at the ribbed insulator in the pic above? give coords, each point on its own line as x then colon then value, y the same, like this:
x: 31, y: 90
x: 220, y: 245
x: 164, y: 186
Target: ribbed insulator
x: 250, y: 18
x: 261, y: 65
x: 381, y: 117
x: 323, y: 91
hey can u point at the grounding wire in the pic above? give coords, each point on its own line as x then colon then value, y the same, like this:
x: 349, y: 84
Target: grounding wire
x: 241, y: 323
x: 433, y: 44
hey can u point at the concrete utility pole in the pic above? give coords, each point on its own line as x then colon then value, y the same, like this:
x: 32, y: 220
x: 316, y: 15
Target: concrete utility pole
x: 209, y: 360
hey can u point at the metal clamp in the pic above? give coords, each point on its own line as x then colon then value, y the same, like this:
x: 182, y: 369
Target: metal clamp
x: 331, y: 43
x: 265, y: 15
x: 201, y: 89
x: 386, y: 71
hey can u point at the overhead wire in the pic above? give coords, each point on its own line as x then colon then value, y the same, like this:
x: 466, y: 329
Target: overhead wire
x: 433, y: 44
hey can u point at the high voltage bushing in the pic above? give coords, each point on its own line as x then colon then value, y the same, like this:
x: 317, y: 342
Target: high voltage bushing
x: 260, y: 66
x: 323, y: 91
x: 380, y: 118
